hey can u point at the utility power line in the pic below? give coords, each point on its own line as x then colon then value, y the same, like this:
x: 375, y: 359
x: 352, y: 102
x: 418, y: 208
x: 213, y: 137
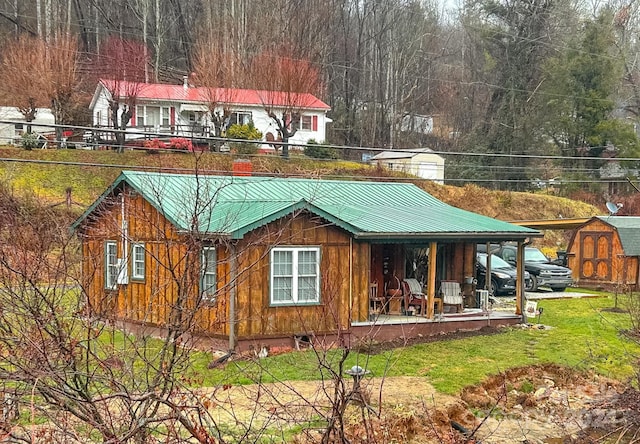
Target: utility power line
x: 160, y: 135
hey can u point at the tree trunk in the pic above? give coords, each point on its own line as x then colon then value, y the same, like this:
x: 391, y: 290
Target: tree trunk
x: 158, y: 41
x: 285, y: 146
x: 48, y: 12
x: 39, y: 17
x: 16, y: 16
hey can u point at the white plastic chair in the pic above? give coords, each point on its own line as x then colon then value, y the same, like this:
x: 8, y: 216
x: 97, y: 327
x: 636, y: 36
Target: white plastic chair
x: 452, y: 294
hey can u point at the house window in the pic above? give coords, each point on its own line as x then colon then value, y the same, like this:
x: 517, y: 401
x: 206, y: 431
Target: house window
x: 139, y: 115
x: 240, y: 118
x: 306, y: 123
x: 110, y: 265
x: 165, y: 113
x: 153, y: 116
x: 137, y: 262
x: 208, y: 284
x: 295, y: 275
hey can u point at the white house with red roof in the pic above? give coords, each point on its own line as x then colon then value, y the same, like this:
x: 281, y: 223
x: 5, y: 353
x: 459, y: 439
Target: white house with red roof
x: 182, y: 110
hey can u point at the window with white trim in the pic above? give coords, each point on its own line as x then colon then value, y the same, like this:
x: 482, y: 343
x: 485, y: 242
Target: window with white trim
x: 157, y: 116
x: 295, y: 275
x: 111, y: 265
x: 306, y: 123
x: 139, y: 115
x: 208, y: 277
x: 239, y: 118
x: 137, y: 261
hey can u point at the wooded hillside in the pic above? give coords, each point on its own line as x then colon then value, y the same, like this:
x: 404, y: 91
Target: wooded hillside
x: 515, y: 91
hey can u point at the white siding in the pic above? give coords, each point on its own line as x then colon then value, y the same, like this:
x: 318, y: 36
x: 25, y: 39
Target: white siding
x: 9, y: 134
x: 260, y: 119
x: 426, y: 165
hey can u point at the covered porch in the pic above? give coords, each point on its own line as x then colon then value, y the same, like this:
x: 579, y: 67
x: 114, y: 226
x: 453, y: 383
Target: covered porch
x: 426, y: 283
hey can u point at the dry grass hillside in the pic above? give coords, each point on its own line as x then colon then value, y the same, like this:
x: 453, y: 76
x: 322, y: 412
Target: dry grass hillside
x: 47, y: 174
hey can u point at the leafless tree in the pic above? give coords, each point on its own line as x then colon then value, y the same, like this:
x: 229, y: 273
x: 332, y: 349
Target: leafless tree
x: 24, y: 74
x: 219, y: 73
x: 62, y: 82
x: 68, y: 357
x: 84, y: 374
x: 286, y: 85
x: 121, y: 66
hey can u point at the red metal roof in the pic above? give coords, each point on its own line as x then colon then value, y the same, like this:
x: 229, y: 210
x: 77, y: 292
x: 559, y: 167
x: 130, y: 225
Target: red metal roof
x: 180, y: 93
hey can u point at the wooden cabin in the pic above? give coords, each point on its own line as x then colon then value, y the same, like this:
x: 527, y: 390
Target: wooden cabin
x: 248, y: 259
x: 604, y: 251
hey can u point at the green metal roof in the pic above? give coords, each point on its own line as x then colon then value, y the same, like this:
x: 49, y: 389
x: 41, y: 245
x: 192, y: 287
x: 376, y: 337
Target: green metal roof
x: 233, y: 206
x: 628, y: 228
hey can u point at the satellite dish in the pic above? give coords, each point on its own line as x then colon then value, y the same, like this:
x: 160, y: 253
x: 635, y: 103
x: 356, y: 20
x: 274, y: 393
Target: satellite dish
x: 613, y: 208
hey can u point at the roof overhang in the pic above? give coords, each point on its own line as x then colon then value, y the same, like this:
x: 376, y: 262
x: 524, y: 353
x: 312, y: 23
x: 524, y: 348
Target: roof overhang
x: 447, y: 236
x: 552, y: 224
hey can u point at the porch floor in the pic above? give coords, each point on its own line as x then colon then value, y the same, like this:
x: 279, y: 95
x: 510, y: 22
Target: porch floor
x: 469, y: 314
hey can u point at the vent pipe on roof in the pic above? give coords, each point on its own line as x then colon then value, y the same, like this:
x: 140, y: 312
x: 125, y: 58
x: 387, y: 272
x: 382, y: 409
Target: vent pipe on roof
x: 185, y: 82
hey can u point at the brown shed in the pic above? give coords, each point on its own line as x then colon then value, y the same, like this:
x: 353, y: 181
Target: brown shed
x: 265, y: 259
x: 604, y: 252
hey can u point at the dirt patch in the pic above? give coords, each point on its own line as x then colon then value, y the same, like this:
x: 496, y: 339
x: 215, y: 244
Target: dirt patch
x: 614, y: 310
x: 551, y: 404
x: 539, y: 404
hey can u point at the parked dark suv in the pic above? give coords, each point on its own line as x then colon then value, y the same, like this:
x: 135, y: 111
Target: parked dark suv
x: 503, y: 275
x: 543, y: 272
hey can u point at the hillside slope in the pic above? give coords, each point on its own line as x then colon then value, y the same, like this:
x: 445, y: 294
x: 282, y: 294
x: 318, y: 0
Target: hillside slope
x: 49, y: 173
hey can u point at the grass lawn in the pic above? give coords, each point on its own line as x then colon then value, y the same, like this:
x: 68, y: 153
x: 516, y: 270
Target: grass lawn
x: 581, y: 335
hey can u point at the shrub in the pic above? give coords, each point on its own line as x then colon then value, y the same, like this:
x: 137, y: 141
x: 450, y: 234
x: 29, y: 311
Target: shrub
x: 30, y: 141
x: 154, y: 144
x: 320, y: 150
x: 180, y: 143
x: 244, y: 132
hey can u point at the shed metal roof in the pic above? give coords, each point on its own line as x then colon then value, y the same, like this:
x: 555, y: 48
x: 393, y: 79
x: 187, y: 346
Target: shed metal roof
x: 403, y: 154
x: 233, y: 206
x: 552, y: 224
x: 628, y: 228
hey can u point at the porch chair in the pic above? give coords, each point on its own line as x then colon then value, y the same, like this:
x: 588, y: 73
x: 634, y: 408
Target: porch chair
x: 376, y: 302
x: 452, y: 294
x: 414, y: 296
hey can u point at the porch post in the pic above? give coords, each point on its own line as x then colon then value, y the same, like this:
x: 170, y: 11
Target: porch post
x: 520, y: 278
x: 431, y: 278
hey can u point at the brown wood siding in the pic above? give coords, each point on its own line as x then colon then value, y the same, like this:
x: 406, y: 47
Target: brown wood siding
x: 459, y: 261
x: 360, y: 285
x: 596, y: 257
x: 256, y: 317
x: 171, y: 264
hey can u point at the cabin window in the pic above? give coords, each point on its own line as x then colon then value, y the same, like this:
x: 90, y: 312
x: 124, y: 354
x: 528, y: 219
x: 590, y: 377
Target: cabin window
x: 306, y: 123
x: 208, y: 278
x: 295, y: 275
x: 240, y: 118
x: 110, y: 265
x: 137, y: 262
